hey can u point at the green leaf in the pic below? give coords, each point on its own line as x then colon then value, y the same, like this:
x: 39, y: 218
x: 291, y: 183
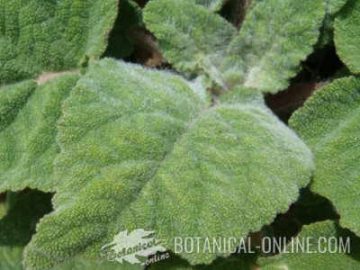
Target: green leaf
x: 140, y: 149
x: 37, y: 36
x: 347, y: 35
x: 334, y: 6
x: 16, y: 228
x: 329, y: 123
x: 321, y: 235
x: 194, y: 40
x: 10, y: 258
x: 213, y: 5
x: 27, y: 139
x: 12, y: 99
x: 275, y: 37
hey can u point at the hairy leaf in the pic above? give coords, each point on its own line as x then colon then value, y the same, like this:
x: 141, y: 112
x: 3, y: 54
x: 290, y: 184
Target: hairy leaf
x: 322, y: 236
x: 213, y: 5
x: 275, y: 37
x: 12, y: 99
x: 194, y: 40
x: 10, y: 258
x: 329, y: 123
x: 51, y: 35
x: 347, y: 35
x: 334, y: 6
x: 27, y: 139
x: 140, y: 149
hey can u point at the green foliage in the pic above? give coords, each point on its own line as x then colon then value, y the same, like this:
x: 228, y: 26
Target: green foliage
x: 125, y: 148
x: 27, y: 141
x: 347, y: 35
x: 214, y: 5
x: 10, y: 258
x: 334, y: 6
x: 319, y: 233
x: 38, y: 36
x: 193, y: 50
x: 156, y: 151
x: 329, y: 124
x: 12, y: 99
x: 275, y: 37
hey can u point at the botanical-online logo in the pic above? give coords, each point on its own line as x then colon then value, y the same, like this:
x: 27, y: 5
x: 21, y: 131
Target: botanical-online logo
x: 134, y: 247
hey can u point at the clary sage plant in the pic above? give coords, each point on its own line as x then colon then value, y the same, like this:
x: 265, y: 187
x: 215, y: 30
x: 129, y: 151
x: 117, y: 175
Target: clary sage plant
x: 191, y: 149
